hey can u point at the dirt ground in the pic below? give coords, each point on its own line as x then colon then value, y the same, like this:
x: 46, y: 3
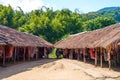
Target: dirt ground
x: 53, y: 69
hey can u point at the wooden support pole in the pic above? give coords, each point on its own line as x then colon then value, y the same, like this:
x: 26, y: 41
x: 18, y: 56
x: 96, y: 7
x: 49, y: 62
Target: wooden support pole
x: 101, y: 61
x: 78, y: 54
x: 45, y: 53
x: 71, y: 53
x: 3, y: 55
x: 64, y: 52
x: 36, y: 51
x: 24, y: 54
x: 109, y: 60
x: 29, y: 48
x: 15, y: 55
x: 84, y: 53
x: 95, y: 57
x: 101, y: 55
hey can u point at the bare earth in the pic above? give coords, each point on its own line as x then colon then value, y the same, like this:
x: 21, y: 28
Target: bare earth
x: 53, y: 69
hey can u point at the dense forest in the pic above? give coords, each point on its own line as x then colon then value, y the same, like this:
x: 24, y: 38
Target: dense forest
x: 55, y: 25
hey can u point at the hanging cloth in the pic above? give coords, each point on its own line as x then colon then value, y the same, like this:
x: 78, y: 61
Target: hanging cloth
x: 1, y: 51
x: 92, y: 53
x: 8, y: 51
x: 105, y: 55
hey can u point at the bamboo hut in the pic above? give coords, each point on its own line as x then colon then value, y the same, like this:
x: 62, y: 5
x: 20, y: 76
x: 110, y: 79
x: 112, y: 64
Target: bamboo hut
x: 19, y: 45
x: 97, y: 42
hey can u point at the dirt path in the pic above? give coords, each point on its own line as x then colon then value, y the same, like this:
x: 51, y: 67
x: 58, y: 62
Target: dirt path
x: 63, y: 69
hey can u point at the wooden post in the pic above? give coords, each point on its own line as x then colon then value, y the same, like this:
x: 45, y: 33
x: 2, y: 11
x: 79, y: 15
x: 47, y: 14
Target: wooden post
x: 78, y: 54
x: 29, y: 48
x: 84, y: 53
x: 109, y: 60
x: 109, y: 57
x: 64, y: 52
x: 15, y: 55
x: 101, y: 54
x: 101, y: 61
x: 45, y: 53
x: 70, y: 55
x: 36, y: 51
x: 95, y: 57
x: 3, y: 55
x: 71, y: 52
x: 24, y: 55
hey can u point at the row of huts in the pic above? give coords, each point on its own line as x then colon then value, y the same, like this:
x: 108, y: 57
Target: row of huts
x: 16, y: 46
x: 99, y: 45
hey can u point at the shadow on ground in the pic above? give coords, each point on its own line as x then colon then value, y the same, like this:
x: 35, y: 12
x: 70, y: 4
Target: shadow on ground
x: 21, y: 67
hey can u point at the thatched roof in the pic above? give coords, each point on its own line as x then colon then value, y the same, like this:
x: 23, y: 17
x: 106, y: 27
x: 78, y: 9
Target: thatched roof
x: 22, y: 39
x: 97, y: 38
x: 3, y: 41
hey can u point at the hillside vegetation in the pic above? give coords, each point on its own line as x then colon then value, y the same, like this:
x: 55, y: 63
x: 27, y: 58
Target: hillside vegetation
x: 55, y: 25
